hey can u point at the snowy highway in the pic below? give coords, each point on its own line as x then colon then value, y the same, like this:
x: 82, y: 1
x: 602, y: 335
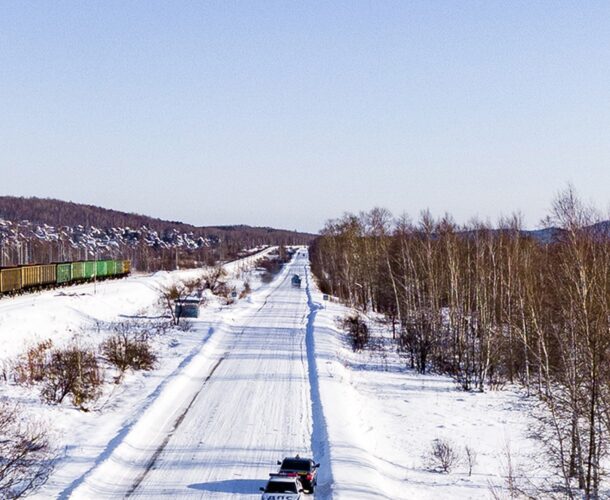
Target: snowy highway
x: 251, y: 408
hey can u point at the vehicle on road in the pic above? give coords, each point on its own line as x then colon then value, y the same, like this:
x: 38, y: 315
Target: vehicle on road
x: 306, y: 469
x: 296, y: 281
x: 283, y: 487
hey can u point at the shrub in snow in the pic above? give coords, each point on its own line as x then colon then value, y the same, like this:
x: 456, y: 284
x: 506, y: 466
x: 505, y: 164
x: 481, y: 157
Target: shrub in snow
x: 73, y: 371
x: 245, y: 291
x: 357, y: 330
x: 471, y: 458
x: 324, y: 285
x: 267, y: 277
x: 211, y: 277
x: 271, y: 266
x: 185, y: 326
x: 6, y: 368
x: 126, y: 350
x: 25, y: 454
x: 223, y: 290
x: 442, y: 456
x: 30, y: 367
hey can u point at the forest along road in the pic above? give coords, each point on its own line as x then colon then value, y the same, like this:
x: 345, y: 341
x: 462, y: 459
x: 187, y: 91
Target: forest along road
x: 253, y: 410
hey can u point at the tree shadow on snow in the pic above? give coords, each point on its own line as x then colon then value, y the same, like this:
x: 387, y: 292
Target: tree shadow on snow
x: 247, y: 486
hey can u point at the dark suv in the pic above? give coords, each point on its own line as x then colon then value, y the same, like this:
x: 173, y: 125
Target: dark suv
x: 306, y: 469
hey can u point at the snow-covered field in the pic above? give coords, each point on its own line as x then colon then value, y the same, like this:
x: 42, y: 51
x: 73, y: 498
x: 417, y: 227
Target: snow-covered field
x: 249, y: 383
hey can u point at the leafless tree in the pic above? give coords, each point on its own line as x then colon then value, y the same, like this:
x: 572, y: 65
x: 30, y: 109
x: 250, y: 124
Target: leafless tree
x: 128, y: 348
x: 72, y: 371
x: 30, y: 367
x: 26, y: 456
x: 176, y: 292
x: 490, y: 305
x: 442, y: 456
x: 471, y: 458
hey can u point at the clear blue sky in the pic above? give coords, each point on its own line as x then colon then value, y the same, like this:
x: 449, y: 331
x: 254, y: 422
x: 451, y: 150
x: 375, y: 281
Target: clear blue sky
x: 290, y: 113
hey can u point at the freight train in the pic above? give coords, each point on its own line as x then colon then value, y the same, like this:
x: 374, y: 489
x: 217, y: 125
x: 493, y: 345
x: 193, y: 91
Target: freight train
x: 19, y: 279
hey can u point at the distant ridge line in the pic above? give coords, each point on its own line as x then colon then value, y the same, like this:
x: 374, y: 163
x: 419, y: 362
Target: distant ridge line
x: 59, y: 213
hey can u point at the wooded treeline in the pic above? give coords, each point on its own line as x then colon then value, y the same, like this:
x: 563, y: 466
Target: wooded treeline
x: 490, y: 305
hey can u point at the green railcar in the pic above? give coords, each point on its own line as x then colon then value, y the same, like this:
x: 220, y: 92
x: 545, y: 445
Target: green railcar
x: 90, y: 269
x: 101, y: 268
x: 64, y: 272
x: 78, y: 271
x: 111, y: 267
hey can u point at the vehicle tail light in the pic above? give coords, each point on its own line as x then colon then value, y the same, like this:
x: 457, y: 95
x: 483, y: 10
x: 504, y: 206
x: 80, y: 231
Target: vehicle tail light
x: 309, y: 476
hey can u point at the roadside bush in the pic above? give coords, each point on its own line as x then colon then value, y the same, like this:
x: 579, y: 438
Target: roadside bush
x: 324, y: 286
x: 442, y: 456
x: 270, y: 266
x: 212, y: 277
x: 6, y: 369
x: 267, y: 277
x: 126, y: 350
x: 185, y: 326
x: 357, y: 330
x: 73, y: 371
x: 25, y: 453
x: 30, y: 367
x: 246, y: 291
x: 222, y: 290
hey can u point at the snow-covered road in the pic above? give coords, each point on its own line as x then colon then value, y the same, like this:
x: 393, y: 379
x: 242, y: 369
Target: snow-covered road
x: 248, y: 405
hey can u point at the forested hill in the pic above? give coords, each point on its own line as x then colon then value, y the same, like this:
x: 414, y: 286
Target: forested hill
x: 36, y: 229
x: 65, y: 213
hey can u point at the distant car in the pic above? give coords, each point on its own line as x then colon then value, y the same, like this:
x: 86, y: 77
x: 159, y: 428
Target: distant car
x: 283, y: 487
x: 306, y: 469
